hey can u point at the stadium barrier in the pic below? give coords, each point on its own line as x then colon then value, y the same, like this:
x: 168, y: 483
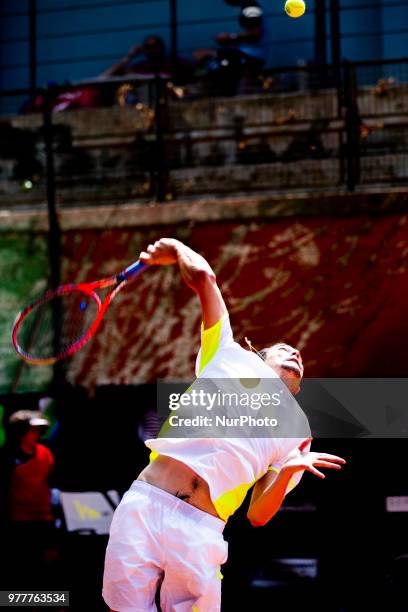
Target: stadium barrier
x: 308, y: 129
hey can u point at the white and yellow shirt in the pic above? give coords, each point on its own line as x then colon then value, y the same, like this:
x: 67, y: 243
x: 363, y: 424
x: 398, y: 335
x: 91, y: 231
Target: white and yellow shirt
x: 230, y: 466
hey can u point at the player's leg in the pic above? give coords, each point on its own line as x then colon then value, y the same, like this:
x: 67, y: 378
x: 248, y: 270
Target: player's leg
x: 194, y: 552
x: 197, y: 591
x: 133, y: 557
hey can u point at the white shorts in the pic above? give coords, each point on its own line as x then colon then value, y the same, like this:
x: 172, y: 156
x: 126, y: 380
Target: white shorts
x: 157, y: 540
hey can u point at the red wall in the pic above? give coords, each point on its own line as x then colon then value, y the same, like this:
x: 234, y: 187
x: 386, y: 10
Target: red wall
x: 335, y: 287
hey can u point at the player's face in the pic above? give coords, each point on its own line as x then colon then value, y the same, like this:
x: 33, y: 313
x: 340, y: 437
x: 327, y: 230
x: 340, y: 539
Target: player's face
x: 286, y: 361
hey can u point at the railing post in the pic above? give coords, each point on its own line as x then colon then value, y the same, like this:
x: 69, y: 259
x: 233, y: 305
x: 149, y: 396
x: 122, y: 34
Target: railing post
x: 54, y: 231
x: 352, y: 127
x: 335, y: 41
x: 32, y: 60
x: 320, y: 41
x: 160, y: 151
x: 173, y: 36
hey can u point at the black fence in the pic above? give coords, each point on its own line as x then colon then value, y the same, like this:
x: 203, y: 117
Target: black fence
x: 126, y: 139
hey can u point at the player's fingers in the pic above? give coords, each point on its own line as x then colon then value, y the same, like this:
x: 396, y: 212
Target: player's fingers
x: 316, y: 472
x: 331, y: 457
x: 144, y: 257
x: 151, y: 248
x: 327, y: 464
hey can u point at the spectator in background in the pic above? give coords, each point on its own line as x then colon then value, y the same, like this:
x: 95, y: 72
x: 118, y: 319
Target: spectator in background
x: 240, y: 56
x: 251, y: 41
x: 25, y: 501
x: 151, y: 59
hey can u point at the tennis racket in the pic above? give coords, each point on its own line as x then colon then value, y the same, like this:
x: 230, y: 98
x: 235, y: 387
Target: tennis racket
x: 63, y: 320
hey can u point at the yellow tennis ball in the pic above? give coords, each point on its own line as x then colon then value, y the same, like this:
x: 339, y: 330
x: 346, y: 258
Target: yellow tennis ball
x: 295, y: 8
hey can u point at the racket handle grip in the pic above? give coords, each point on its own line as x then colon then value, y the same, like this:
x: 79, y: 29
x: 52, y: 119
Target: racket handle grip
x: 132, y: 271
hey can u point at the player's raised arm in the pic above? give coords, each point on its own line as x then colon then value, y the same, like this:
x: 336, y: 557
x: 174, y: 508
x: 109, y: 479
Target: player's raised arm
x: 196, y: 272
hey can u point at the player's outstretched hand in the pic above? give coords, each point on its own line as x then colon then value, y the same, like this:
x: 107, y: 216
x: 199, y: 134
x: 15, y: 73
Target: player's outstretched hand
x: 310, y: 461
x: 161, y: 253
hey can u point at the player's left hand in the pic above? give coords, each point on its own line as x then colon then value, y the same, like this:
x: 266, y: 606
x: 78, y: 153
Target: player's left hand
x: 162, y: 253
x: 310, y: 461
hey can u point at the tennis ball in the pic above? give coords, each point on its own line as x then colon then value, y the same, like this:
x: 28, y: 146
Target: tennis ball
x: 295, y: 8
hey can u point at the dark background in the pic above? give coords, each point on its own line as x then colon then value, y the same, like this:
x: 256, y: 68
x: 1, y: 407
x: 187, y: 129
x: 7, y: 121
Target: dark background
x: 340, y: 522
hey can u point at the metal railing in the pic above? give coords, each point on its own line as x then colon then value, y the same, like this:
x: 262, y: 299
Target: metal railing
x: 299, y: 128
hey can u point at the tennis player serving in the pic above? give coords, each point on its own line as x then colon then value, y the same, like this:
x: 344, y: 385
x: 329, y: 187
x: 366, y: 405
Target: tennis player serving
x: 167, y: 530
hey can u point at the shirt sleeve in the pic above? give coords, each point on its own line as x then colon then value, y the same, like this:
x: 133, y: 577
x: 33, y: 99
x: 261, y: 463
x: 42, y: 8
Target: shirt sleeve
x: 212, y: 340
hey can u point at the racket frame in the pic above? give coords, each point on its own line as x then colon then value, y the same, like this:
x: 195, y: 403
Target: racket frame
x: 118, y: 281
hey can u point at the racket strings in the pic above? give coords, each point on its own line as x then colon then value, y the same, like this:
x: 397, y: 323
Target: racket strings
x: 56, y: 324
